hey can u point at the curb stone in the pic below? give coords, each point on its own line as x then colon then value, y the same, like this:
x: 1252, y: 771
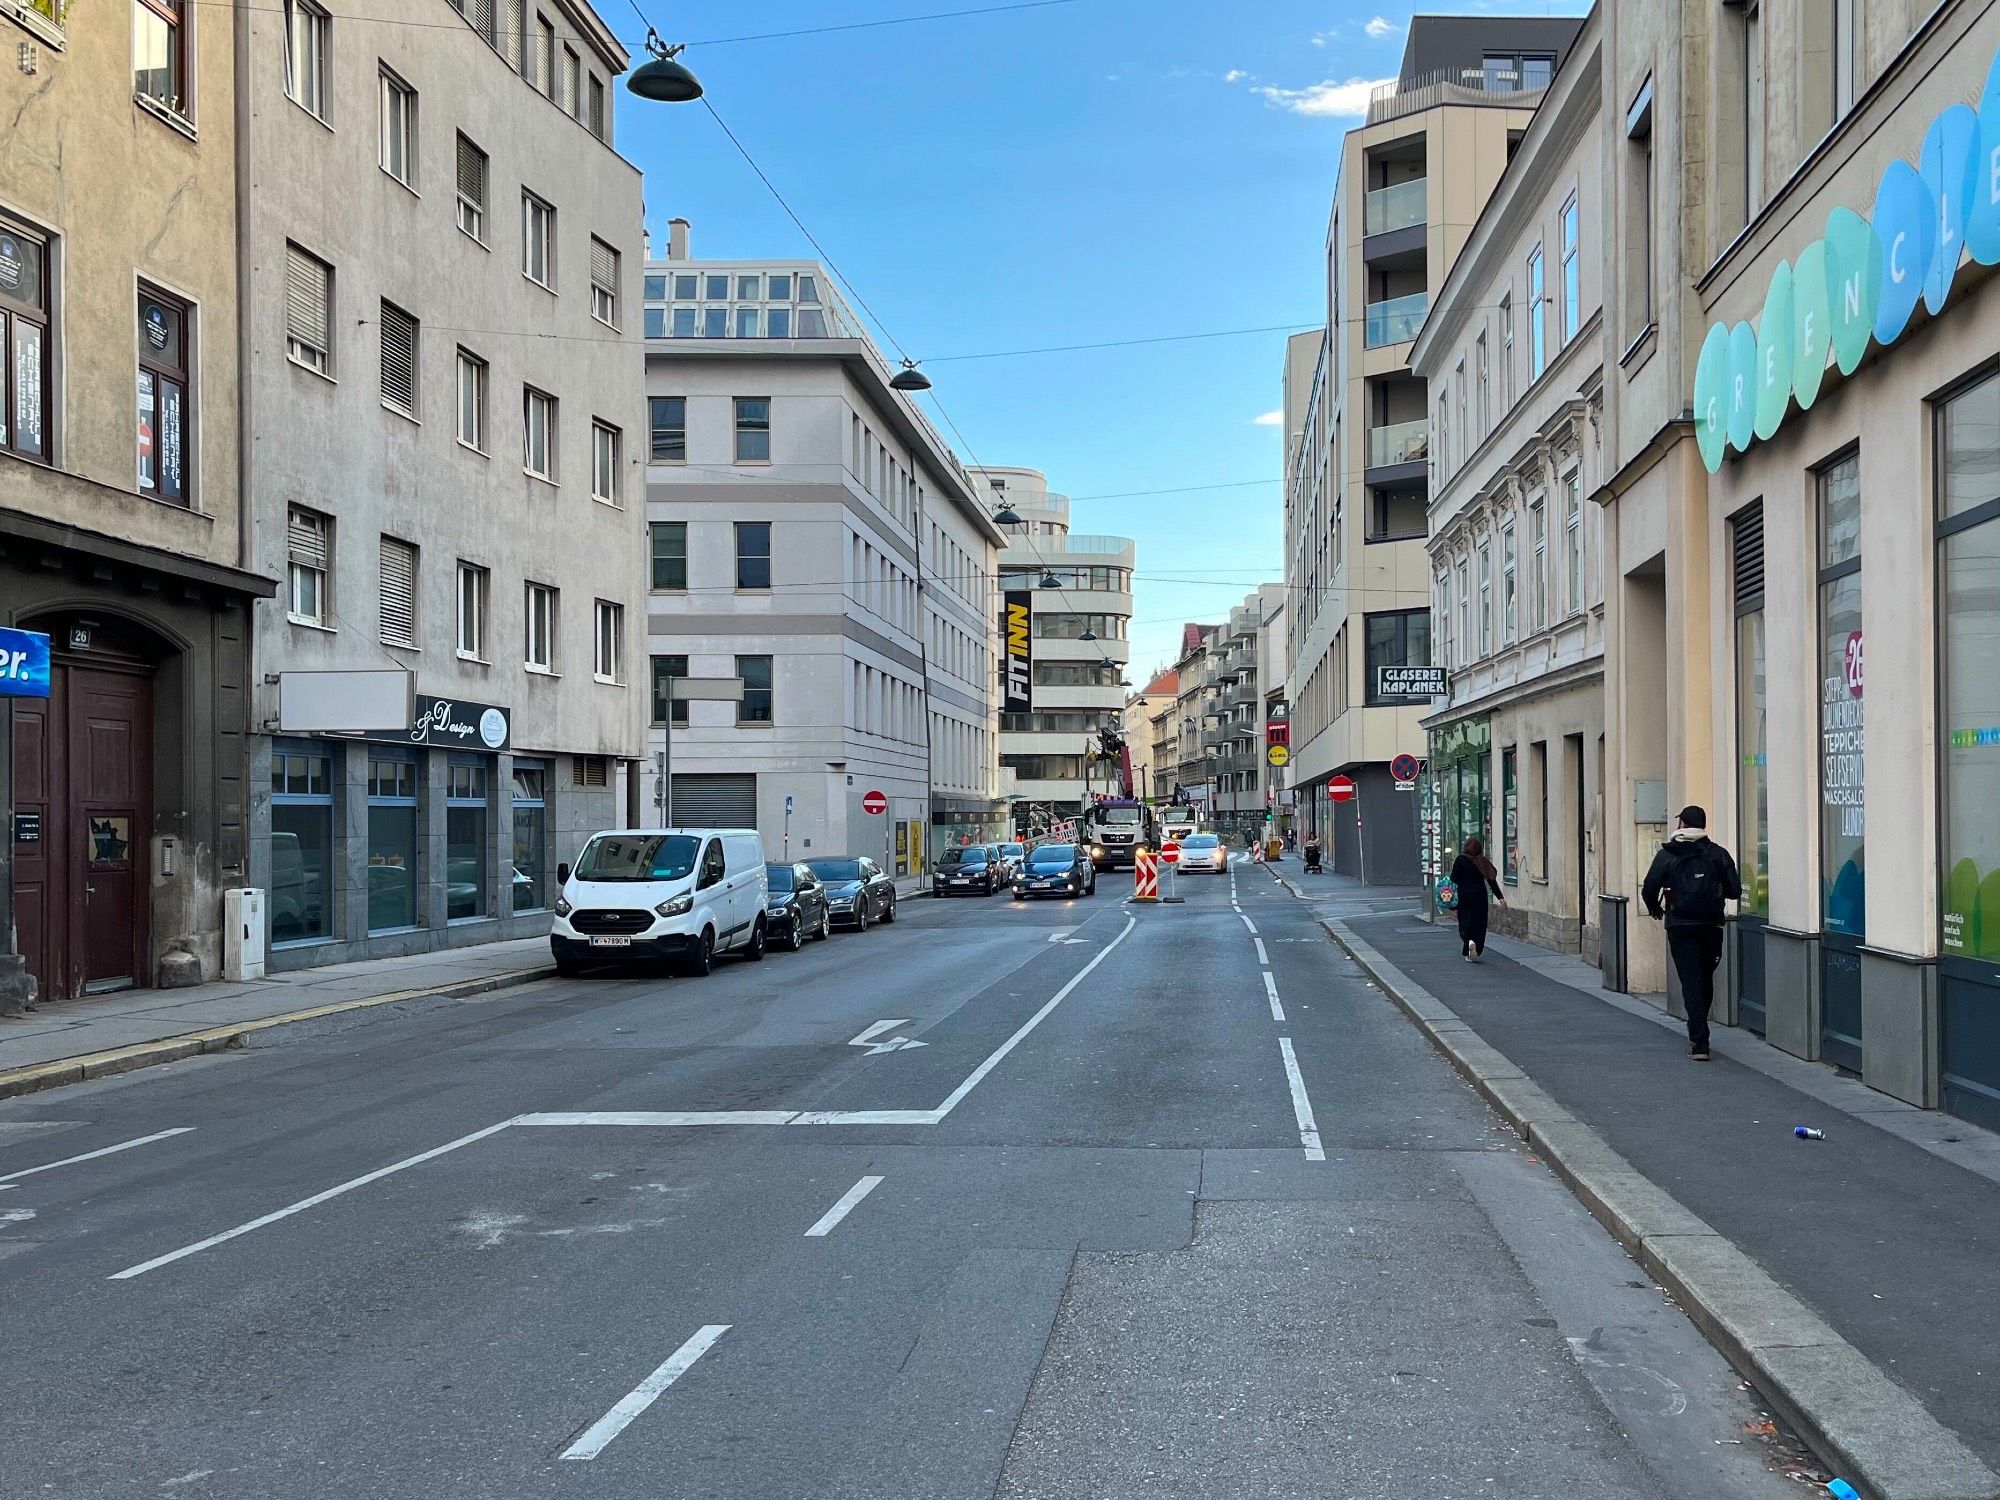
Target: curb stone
x: 1858, y: 1420
x: 50, y: 1075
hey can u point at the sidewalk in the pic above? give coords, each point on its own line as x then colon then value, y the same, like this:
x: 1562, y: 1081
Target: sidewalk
x: 67, y: 1040
x: 1888, y: 1230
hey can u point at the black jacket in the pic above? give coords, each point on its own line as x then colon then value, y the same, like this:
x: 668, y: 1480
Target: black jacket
x: 1694, y: 862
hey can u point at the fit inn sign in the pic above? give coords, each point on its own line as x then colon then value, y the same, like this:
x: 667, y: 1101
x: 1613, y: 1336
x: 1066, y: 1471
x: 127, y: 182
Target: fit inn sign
x: 1861, y: 279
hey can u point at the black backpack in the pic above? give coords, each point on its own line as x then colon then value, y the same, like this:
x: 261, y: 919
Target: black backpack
x: 1694, y: 886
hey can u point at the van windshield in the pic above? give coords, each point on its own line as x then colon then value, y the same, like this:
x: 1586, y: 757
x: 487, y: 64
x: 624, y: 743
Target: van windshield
x: 638, y: 856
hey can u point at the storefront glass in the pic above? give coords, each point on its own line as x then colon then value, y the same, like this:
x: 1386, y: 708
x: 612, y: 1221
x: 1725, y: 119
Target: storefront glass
x: 301, y: 905
x: 1510, y: 818
x: 392, y: 843
x: 1843, y: 863
x: 465, y: 820
x: 1753, y: 793
x: 530, y: 873
x: 1969, y: 591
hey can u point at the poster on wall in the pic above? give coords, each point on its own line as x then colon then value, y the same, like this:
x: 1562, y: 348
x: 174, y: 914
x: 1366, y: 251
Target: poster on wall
x: 1842, y: 778
x: 1017, y: 651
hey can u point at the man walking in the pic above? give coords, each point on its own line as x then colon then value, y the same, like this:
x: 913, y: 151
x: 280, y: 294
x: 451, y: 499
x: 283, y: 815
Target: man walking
x: 1690, y: 880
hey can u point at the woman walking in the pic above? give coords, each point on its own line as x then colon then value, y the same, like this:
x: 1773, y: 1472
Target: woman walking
x: 1473, y: 875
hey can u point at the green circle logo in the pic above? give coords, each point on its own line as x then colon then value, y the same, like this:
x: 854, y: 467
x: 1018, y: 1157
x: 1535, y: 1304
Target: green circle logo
x: 1774, y: 353
x: 1711, y: 391
x: 1811, y: 330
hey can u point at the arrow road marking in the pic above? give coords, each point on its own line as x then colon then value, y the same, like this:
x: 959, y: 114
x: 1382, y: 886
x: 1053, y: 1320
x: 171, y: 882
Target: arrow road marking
x: 892, y: 1044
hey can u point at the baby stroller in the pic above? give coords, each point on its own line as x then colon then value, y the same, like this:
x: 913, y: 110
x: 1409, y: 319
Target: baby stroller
x: 1312, y: 857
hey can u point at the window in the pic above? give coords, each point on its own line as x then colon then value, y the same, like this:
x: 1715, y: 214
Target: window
x: 1846, y: 59
x: 1968, y: 580
x: 308, y: 310
x: 1465, y: 640
x: 1510, y: 819
x: 756, y: 705
x: 472, y: 594
x: 1485, y: 386
x: 399, y: 360
x: 1573, y: 538
x: 715, y: 322
x: 165, y: 328
x: 753, y: 429
x: 1507, y: 352
x: 1508, y: 621
x: 1753, y: 792
x: 158, y: 64
x: 1538, y: 577
x: 392, y: 842
x: 306, y: 34
x: 715, y: 288
x: 539, y: 648
x: 399, y: 129
x: 531, y: 835
x: 466, y: 886
x: 471, y: 189
x: 24, y: 342
x: 545, y: 56
x: 538, y: 241
x: 1538, y: 767
x: 606, y: 445
x: 471, y: 400
x: 397, y: 596
x: 572, y: 77
x: 308, y: 553
x: 1843, y: 783
x: 596, y: 118
x: 1753, y: 110
x: 301, y: 844
x: 1538, y: 317
x: 753, y: 554
x: 670, y: 551
x: 1485, y: 599
x: 778, y: 323
x: 1399, y: 639
x: 1639, y: 212
x: 665, y: 670
x: 669, y: 429
x: 590, y: 770
x: 610, y: 639
x: 603, y: 282
x: 538, y: 426
x: 1572, y: 305
x: 747, y: 322
x: 684, y: 322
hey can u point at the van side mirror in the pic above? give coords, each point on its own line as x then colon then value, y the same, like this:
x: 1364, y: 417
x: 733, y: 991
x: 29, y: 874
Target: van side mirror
x: 562, y: 874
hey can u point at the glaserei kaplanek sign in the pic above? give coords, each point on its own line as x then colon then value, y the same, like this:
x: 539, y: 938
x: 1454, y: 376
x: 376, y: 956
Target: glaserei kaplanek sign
x: 1862, y: 279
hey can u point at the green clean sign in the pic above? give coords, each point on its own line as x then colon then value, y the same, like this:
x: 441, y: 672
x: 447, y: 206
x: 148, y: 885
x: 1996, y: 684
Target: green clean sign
x: 1859, y: 282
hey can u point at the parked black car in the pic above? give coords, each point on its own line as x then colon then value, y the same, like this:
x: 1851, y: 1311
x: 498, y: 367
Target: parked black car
x: 975, y: 870
x: 796, y: 908
x: 858, y: 891
x: 1056, y: 870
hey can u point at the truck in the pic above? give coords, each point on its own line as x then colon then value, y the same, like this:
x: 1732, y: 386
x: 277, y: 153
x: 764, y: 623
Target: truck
x: 1113, y: 828
x: 1177, y: 821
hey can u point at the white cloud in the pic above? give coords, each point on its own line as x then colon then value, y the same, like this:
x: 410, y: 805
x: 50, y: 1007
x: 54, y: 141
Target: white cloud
x: 1327, y: 99
x: 1380, y: 27
x: 1320, y: 39
x: 1234, y: 75
x: 1270, y: 419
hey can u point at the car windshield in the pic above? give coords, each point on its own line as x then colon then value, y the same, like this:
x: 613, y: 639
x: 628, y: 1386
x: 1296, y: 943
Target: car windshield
x: 1122, y: 816
x: 638, y: 856
x: 1200, y: 841
x: 1053, y: 856
x: 835, y: 871
x: 963, y: 857
x: 1013, y: 851
x: 780, y: 877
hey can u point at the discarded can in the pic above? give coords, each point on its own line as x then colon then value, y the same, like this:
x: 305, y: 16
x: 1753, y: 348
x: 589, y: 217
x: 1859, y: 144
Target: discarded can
x: 1840, y: 1489
x: 1808, y: 1133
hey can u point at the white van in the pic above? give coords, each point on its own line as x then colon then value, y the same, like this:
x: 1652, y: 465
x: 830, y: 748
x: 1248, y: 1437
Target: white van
x: 684, y: 894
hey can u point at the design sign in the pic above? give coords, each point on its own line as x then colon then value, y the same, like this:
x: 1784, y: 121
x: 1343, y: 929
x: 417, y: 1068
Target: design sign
x: 1017, y: 651
x: 453, y: 724
x: 1861, y: 280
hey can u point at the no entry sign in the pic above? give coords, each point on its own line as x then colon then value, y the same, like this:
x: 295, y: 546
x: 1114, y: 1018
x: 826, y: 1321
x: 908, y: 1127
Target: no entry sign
x: 1341, y: 789
x: 1170, y: 852
x: 874, y: 802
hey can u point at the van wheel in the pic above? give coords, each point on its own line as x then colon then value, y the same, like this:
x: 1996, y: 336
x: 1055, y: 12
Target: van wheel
x: 700, y: 959
x: 754, y: 953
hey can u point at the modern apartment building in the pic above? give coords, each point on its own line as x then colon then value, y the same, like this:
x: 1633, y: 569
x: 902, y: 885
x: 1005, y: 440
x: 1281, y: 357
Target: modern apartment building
x: 442, y: 333
x: 122, y: 532
x: 1081, y: 587
x: 1413, y: 179
x: 823, y: 572
x: 1512, y: 354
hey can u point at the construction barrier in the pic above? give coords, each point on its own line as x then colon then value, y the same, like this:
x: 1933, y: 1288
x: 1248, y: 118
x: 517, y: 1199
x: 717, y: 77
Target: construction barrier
x: 1146, y: 877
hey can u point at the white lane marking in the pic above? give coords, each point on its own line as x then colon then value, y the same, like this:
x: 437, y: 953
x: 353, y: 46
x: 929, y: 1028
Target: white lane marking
x: 660, y: 1117
x: 70, y: 1161
x: 973, y: 1079
x: 1262, y: 957
x: 866, y: 1117
x: 1271, y: 991
x: 843, y: 1208
x: 1301, y: 1105
x: 877, y: 1029
x: 1249, y: 924
x: 305, y: 1203
x: 17, y: 1216
x: 600, y: 1433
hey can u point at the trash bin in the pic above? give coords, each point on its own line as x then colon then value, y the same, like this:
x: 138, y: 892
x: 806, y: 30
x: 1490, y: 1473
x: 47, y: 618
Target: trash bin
x: 1612, y: 912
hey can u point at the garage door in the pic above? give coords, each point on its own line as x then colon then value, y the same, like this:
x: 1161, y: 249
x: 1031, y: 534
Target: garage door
x: 715, y: 801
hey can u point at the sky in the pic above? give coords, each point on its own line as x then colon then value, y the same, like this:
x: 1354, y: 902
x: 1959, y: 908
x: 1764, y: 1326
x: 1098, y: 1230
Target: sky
x: 1074, y: 172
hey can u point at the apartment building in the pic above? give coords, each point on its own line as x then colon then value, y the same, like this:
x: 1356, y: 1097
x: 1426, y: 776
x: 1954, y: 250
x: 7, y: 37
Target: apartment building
x: 824, y: 576
x: 1802, y: 459
x: 1512, y: 354
x: 123, y: 536
x: 443, y: 341
x: 1412, y: 181
x: 1146, y: 712
x: 1080, y: 596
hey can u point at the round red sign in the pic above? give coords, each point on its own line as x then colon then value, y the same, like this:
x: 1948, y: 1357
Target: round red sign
x: 1170, y: 852
x: 1341, y: 789
x: 874, y: 802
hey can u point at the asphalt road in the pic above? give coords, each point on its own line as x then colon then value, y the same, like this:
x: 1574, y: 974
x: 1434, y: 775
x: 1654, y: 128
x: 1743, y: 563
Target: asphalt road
x: 1108, y: 1202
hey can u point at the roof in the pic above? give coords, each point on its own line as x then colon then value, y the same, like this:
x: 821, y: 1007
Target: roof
x: 1193, y: 637
x: 1167, y: 680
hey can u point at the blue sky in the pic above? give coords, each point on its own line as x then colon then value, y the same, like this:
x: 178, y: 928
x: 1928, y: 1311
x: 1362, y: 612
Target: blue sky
x: 1076, y: 173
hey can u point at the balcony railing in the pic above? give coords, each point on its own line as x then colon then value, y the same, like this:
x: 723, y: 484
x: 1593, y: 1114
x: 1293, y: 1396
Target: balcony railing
x: 1395, y: 207
x: 1406, y: 96
x: 1399, y: 443
x: 1395, y: 321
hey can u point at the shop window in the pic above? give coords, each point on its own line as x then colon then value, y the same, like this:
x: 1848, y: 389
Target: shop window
x: 1843, y: 810
x: 529, y: 875
x: 1510, y: 818
x: 24, y: 342
x: 165, y: 415
x: 465, y: 822
x: 1969, y: 688
x: 392, y: 844
x: 301, y: 904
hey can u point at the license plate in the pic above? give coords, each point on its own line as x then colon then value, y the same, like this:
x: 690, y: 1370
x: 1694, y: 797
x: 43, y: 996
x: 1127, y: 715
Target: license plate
x: 610, y: 942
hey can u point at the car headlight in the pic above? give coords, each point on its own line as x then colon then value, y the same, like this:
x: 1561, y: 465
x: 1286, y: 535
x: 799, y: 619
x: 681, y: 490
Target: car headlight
x: 675, y: 906
x: 563, y: 908
x: 1098, y: 850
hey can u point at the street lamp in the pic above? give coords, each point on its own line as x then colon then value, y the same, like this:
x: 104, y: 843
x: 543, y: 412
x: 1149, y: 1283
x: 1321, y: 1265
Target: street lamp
x: 1006, y: 515
x: 663, y: 79
x: 1049, y: 579
x: 909, y: 378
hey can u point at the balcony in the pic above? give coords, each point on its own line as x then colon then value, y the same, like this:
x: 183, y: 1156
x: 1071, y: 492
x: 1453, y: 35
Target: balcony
x: 1517, y: 88
x: 1395, y: 321
x: 1402, y: 206
x: 1399, y: 443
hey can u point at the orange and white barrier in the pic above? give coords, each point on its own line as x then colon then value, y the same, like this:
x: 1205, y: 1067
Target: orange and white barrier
x: 1146, y: 877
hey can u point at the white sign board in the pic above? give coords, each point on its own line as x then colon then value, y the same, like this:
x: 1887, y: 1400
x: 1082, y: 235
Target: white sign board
x: 354, y: 702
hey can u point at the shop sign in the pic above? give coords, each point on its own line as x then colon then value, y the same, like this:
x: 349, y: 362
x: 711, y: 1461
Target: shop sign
x: 27, y: 828
x: 1843, y: 723
x: 1860, y: 280
x: 24, y: 664
x: 1430, y: 828
x: 1416, y: 683
x: 453, y: 724
x: 1018, y: 650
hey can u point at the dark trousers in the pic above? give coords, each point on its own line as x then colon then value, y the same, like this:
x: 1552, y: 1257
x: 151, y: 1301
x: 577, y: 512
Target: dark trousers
x: 1696, y: 951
